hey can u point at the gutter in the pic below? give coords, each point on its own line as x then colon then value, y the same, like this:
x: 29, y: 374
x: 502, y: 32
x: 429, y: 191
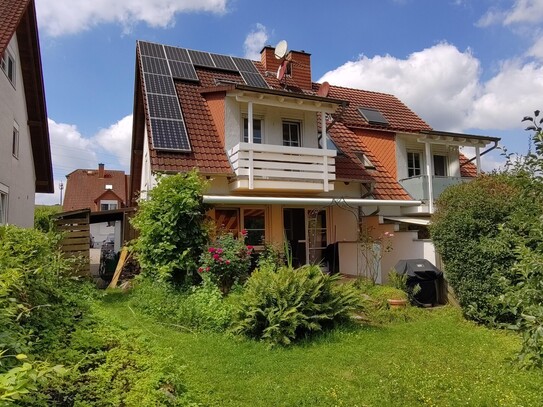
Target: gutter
x: 271, y: 200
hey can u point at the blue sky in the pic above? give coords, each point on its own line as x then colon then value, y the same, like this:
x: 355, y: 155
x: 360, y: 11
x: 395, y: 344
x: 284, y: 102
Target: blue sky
x: 462, y: 65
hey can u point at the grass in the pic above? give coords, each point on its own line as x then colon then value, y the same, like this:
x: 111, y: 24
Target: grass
x: 436, y: 359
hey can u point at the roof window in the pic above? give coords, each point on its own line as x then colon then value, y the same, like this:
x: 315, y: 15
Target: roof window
x: 373, y: 116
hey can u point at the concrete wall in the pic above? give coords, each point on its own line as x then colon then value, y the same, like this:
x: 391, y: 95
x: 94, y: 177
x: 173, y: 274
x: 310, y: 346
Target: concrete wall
x: 16, y: 174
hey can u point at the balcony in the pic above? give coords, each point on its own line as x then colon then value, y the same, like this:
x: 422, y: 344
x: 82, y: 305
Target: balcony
x: 265, y: 167
x: 417, y: 187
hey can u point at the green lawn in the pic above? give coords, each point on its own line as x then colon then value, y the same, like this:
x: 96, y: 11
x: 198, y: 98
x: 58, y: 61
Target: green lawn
x: 436, y: 359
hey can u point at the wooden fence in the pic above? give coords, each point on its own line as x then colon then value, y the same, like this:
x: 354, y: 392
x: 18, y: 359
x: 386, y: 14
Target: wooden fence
x: 75, y: 228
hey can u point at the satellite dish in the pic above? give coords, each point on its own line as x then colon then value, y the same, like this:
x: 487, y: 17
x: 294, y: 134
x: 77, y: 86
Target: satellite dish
x: 324, y: 89
x: 281, y: 49
x: 282, y: 70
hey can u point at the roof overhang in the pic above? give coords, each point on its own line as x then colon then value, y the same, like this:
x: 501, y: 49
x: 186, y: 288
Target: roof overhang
x: 280, y: 98
x: 455, y: 139
x: 279, y: 200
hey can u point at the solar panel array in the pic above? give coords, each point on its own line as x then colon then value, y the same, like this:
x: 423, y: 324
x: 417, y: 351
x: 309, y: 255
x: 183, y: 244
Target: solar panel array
x: 168, y: 130
x: 162, y: 64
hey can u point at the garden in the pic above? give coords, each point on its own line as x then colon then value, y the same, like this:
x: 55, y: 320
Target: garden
x: 209, y: 323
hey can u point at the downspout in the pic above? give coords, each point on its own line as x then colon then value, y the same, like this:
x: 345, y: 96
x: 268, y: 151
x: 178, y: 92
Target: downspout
x: 480, y: 155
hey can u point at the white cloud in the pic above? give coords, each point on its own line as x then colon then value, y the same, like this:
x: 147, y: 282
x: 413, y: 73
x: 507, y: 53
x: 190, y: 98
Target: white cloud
x: 255, y: 41
x: 521, y: 12
x: 116, y: 139
x: 71, y: 150
x: 60, y: 17
x: 439, y: 83
x: 537, y: 49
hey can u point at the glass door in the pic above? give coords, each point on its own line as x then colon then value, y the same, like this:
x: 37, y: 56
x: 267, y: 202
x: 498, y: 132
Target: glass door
x: 294, y: 224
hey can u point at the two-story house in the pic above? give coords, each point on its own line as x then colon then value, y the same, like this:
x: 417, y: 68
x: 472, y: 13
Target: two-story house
x: 25, y: 153
x: 287, y: 158
x: 98, y: 190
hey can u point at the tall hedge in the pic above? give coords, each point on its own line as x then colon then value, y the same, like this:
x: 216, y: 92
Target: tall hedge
x: 171, y: 224
x: 467, y: 231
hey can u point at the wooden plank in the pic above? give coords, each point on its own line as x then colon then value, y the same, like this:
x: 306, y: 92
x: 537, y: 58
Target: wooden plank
x: 69, y: 240
x: 77, y: 233
x: 73, y: 227
x: 119, y: 269
x: 75, y: 247
x: 71, y: 221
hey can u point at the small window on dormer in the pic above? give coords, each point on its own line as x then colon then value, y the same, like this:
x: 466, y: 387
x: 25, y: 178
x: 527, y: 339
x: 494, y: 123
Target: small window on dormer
x: 366, y: 162
x: 109, y: 186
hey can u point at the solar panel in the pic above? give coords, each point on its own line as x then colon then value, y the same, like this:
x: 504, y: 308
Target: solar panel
x: 177, y: 54
x: 254, y: 79
x: 151, y: 50
x: 224, y: 62
x: 169, y: 135
x: 159, y: 84
x: 201, y: 58
x: 164, y: 107
x: 244, y: 65
x: 373, y: 116
x: 183, y: 70
x: 155, y: 65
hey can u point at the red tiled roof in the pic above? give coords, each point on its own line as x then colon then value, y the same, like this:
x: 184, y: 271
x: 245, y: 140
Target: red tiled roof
x: 84, y: 186
x: 11, y: 13
x: 467, y: 169
x: 399, y: 116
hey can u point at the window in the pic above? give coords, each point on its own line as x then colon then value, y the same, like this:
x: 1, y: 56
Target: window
x: 8, y: 66
x: 291, y: 134
x: 4, y: 190
x: 366, y: 162
x: 15, y: 141
x: 413, y: 164
x: 254, y: 222
x: 440, y: 165
x: 227, y: 221
x: 108, y: 205
x: 257, y: 130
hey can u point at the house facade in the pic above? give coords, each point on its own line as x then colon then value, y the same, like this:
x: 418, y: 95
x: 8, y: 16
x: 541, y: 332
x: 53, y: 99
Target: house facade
x: 25, y: 153
x: 98, y: 190
x: 288, y: 159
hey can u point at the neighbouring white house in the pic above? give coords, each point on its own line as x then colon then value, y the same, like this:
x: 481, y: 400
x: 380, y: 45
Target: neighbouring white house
x: 25, y: 153
x: 292, y: 160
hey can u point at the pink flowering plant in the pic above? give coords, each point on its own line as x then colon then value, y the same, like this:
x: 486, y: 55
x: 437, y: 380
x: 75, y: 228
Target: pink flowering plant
x: 226, y: 262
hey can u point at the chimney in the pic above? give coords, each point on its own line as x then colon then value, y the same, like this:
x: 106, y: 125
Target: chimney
x: 267, y: 57
x: 101, y: 171
x: 300, y: 69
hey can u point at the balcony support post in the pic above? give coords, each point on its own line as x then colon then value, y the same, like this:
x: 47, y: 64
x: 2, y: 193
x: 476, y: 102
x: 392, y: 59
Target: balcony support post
x: 324, y: 147
x: 478, y: 160
x: 430, y: 174
x: 250, y: 140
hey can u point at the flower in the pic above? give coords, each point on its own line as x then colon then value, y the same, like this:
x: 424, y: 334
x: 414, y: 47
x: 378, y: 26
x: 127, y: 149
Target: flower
x: 219, y: 251
x: 227, y: 262
x: 250, y: 247
x: 216, y: 256
x: 207, y: 268
x: 244, y: 232
x: 200, y: 269
x: 211, y: 249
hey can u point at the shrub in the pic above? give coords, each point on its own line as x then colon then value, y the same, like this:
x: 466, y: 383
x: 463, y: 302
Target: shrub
x: 280, y: 307
x: 172, y: 228
x: 43, y: 217
x: 40, y: 305
x: 201, y: 308
x: 226, y: 262
x: 271, y: 258
x: 466, y: 230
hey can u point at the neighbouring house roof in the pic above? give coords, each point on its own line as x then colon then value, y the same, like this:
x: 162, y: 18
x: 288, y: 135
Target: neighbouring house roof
x: 467, y: 169
x: 352, y: 134
x: 19, y: 17
x: 84, y: 188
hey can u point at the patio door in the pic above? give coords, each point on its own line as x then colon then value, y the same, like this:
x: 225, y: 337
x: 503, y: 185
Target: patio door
x: 306, y: 234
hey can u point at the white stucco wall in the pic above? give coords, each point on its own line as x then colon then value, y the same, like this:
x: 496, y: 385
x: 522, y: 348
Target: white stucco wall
x: 148, y: 179
x: 16, y: 173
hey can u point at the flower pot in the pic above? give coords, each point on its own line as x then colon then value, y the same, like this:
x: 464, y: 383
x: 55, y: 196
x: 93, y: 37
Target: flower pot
x: 394, y: 303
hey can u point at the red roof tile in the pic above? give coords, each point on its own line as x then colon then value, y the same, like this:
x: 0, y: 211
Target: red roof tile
x: 11, y: 13
x: 467, y: 169
x: 84, y: 186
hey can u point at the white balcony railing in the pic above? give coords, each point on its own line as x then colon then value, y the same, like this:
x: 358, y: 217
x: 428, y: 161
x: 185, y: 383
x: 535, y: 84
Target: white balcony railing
x: 266, y: 162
